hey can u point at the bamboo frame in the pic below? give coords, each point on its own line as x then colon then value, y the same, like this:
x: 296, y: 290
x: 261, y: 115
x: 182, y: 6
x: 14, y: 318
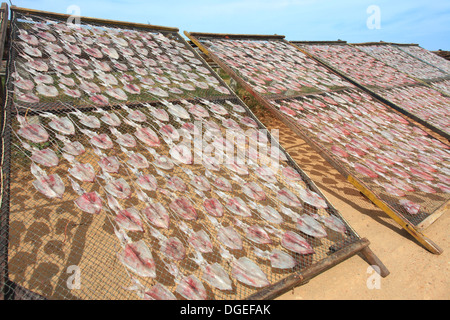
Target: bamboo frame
x: 422, y: 239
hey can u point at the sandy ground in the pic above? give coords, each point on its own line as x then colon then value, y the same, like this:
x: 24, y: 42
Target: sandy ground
x: 415, y: 273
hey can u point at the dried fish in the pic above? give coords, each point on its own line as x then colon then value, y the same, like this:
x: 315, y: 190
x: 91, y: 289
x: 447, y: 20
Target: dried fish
x: 173, y: 248
x: 169, y: 132
x: 117, y: 93
x: 249, y: 273
x: 238, y: 207
x: 176, y: 184
x: 158, y: 292
x: 296, y: 243
x: 137, y: 257
x: 109, y: 164
x: 51, y: 186
x: 229, y: 237
x: 74, y: 148
x: 254, y: 232
x: 410, y: 207
x: 61, y: 124
x: 278, y: 259
x: 163, y: 162
x: 332, y: 222
x: 33, y: 132
x: 270, y: 214
x: 310, y: 226
x: 129, y: 220
x: 288, y: 198
x: 148, y: 136
x: 181, y: 153
x: 217, y: 277
x: 312, y: 198
x: 45, y: 157
x: 183, y: 207
x: 83, y: 172
x: 118, y: 188
x: 157, y: 215
x: 147, y: 182
x: 200, y: 183
x: 200, y: 241
x: 213, y: 207
x: 222, y: 184
x: 191, y: 288
x: 253, y: 191
x: 89, y: 202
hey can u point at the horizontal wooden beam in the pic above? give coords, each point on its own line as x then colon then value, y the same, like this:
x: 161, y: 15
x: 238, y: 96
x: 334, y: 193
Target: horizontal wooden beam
x: 319, y: 42
x: 236, y: 36
x: 382, y: 43
x: 296, y: 279
x: 93, y: 20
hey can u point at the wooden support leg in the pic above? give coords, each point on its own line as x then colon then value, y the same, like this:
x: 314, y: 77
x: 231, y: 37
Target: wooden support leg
x: 421, y: 238
x: 375, y: 261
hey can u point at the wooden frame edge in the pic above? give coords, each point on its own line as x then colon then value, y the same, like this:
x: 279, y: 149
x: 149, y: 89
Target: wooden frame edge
x: 94, y: 20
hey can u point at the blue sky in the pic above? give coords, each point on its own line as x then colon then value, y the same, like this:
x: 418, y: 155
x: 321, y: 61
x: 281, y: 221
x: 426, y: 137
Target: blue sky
x: 424, y: 22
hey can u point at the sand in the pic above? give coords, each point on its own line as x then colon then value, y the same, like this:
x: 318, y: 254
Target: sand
x: 415, y: 273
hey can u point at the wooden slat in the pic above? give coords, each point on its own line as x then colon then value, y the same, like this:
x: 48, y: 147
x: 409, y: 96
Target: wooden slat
x: 427, y: 243
x: 320, y: 42
x: 4, y: 219
x: 4, y: 27
x: 236, y: 36
x: 93, y: 20
x: 382, y: 43
x: 312, y: 271
x: 433, y: 217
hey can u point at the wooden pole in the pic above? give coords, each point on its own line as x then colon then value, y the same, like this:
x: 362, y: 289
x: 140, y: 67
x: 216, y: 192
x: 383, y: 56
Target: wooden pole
x: 312, y: 271
x: 92, y: 20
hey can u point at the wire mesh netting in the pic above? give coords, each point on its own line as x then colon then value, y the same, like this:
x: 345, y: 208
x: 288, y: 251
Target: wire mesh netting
x: 427, y: 56
x: 400, y: 60
x: 396, y: 160
x: 422, y: 101
x: 441, y: 85
x: 432, y: 102
x: 127, y: 188
x: 357, y: 65
x: 274, y: 68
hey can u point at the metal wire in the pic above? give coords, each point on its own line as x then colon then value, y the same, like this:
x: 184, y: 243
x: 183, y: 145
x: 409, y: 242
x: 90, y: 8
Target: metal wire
x: 46, y: 237
x: 429, y: 202
x: 322, y: 119
x: 358, y: 65
x: 427, y: 56
x: 423, y: 102
x: 400, y: 60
